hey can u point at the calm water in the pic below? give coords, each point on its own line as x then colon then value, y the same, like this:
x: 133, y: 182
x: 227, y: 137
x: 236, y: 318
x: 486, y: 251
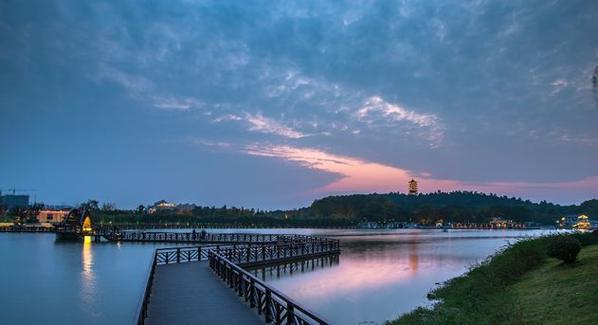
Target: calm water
x: 379, y: 275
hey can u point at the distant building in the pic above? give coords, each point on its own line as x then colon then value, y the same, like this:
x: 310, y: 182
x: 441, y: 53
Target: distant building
x: 51, y: 216
x: 573, y: 221
x: 11, y: 201
x: 161, y: 205
x: 498, y: 222
x: 568, y: 221
x: 583, y: 222
x: 413, y: 187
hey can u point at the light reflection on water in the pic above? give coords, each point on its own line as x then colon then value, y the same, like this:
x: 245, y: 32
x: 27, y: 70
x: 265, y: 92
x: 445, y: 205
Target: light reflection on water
x: 379, y: 277
x: 87, y: 273
x: 379, y: 274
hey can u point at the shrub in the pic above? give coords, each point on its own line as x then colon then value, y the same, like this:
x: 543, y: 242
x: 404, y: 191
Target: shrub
x: 586, y: 238
x: 564, y: 248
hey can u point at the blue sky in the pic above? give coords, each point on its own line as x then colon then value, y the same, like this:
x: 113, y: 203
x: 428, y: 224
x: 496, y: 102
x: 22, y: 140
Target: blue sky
x: 272, y: 104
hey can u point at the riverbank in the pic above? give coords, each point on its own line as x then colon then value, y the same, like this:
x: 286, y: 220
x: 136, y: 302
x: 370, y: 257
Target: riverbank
x: 519, y: 285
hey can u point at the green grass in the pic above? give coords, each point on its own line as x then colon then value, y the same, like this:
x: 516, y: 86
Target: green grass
x: 518, y: 285
x: 560, y: 294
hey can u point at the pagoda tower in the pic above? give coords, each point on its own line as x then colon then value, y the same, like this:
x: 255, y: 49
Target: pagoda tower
x: 412, y: 187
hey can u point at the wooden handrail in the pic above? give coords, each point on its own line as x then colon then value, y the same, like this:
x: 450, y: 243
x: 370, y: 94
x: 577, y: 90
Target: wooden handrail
x: 271, y: 302
x: 144, y: 301
x: 261, y: 295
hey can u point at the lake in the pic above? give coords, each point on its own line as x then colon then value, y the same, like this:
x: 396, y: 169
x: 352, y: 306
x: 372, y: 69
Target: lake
x: 379, y: 275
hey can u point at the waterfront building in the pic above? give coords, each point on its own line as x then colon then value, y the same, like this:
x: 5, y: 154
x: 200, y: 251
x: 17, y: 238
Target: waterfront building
x: 413, y: 187
x: 51, y: 216
x: 161, y: 205
x: 567, y: 222
x: 498, y: 222
x: 583, y: 222
x: 11, y: 201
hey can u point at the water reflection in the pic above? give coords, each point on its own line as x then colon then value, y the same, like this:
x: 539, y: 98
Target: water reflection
x: 288, y: 269
x: 88, y: 279
x: 379, y: 277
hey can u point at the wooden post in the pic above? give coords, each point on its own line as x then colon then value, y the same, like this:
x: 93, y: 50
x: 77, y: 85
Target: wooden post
x: 268, y: 305
x: 290, y: 313
x: 252, y: 294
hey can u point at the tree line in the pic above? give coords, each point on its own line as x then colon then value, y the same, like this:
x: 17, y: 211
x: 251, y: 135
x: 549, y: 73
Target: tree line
x: 349, y: 210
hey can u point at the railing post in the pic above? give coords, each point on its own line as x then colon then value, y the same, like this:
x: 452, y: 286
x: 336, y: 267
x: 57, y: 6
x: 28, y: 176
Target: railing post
x: 252, y: 294
x: 268, y: 306
x: 178, y: 255
x: 290, y: 313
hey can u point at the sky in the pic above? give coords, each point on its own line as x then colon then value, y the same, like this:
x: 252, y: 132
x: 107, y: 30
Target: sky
x: 272, y: 104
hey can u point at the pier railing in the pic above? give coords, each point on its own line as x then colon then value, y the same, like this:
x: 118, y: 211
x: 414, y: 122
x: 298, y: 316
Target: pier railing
x: 250, y: 255
x: 205, y: 237
x: 275, y: 307
x: 144, y: 302
x: 258, y: 255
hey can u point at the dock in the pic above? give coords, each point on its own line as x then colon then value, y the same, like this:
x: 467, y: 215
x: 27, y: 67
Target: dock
x: 209, y: 285
x: 190, y: 293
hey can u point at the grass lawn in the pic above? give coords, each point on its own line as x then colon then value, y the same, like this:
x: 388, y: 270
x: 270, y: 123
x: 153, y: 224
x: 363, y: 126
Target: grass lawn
x: 560, y: 294
x: 519, y: 285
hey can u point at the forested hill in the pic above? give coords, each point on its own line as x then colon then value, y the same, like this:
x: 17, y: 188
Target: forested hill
x: 427, y: 208
x: 348, y: 210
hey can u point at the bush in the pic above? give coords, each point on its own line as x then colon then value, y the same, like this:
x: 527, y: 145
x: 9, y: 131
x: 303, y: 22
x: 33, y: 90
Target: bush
x: 564, y: 248
x: 586, y: 238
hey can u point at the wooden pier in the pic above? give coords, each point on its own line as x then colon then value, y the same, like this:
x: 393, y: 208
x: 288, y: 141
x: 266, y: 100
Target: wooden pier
x: 190, y: 293
x: 183, y: 284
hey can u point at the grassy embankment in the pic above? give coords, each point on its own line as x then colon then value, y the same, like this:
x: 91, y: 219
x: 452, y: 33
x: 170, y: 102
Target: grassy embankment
x: 519, y: 285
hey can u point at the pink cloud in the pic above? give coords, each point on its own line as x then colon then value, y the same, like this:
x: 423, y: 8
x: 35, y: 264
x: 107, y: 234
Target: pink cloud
x: 359, y: 175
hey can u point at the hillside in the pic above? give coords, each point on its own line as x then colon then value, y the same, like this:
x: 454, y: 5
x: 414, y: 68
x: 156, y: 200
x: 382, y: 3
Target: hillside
x: 453, y: 206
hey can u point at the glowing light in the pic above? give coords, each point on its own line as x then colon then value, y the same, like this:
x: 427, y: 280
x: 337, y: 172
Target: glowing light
x: 87, y: 275
x: 87, y: 225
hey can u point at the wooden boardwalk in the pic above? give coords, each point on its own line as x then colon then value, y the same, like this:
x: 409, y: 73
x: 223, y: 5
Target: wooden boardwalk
x: 190, y: 293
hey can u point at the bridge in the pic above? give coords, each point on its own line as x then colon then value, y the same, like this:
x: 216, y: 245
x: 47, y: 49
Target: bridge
x: 192, y: 285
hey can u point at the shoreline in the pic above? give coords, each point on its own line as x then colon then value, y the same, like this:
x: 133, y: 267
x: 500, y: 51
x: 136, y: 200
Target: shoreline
x: 504, y: 288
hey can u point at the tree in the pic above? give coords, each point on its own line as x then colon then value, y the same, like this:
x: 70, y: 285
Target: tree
x: 108, y: 207
x: 91, y: 205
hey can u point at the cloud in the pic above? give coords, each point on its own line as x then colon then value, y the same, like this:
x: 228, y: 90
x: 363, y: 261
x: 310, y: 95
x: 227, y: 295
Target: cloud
x: 133, y: 83
x: 259, y: 123
x: 559, y: 85
x: 173, y: 103
x: 376, y: 104
x: 210, y: 143
x: 377, y: 110
x: 227, y: 117
x: 354, y: 174
x: 359, y: 175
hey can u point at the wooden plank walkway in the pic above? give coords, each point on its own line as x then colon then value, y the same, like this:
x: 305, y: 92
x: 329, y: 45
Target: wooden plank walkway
x: 190, y: 293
